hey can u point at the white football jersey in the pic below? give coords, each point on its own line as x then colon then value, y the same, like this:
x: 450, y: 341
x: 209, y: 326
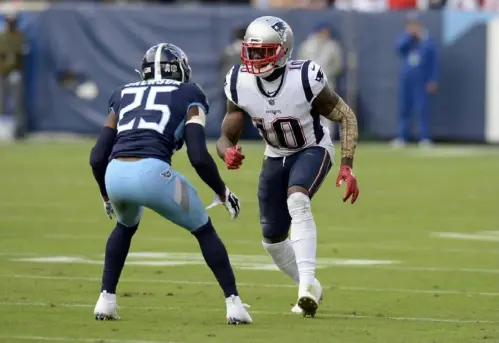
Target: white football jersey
x: 283, y: 116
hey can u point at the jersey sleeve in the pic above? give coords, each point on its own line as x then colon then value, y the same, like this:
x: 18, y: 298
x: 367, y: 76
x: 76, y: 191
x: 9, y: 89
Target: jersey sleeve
x: 114, y: 101
x: 313, y: 80
x: 230, y: 86
x: 198, y: 98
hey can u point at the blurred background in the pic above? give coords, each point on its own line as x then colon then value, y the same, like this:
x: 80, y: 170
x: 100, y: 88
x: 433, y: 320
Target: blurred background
x: 60, y: 60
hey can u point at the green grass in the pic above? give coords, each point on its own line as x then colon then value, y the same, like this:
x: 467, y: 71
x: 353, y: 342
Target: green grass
x: 435, y: 290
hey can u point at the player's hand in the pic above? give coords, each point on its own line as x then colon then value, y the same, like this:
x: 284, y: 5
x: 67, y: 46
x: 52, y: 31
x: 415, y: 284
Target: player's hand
x: 109, y: 209
x: 352, y: 190
x: 231, y: 203
x: 233, y: 157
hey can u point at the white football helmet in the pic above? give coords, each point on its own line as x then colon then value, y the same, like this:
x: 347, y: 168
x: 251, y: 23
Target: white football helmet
x: 267, y: 45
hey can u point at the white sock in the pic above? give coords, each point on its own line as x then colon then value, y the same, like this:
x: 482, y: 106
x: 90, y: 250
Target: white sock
x: 233, y: 299
x: 303, y: 236
x: 110, y: 297
x: 283, y: 255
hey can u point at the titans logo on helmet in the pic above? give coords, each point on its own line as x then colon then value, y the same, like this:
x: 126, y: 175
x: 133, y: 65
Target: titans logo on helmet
x: 280, y: 27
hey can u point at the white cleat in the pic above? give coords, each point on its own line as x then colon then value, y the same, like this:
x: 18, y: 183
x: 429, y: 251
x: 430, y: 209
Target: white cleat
x: 309, y: 298
x: 318, y: 291
x: 106, y: 306
x: 236, y: 311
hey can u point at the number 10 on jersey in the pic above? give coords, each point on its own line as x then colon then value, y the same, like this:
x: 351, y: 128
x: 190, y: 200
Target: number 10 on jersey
x: 282, y: 133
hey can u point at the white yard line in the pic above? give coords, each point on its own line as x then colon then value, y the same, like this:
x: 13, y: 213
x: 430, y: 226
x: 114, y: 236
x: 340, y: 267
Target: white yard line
x: 485, y: 236
x: 67, y: 339
x: 222, y: 310
x: 380, y: 245
x: 331, y: 265
x: 244, y: 284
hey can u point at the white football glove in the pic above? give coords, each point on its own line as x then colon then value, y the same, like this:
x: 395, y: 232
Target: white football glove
x: 231, y: 203
x: 109, y: 209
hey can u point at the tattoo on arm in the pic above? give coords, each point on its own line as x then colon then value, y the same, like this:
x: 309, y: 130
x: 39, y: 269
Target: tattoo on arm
x: 232, y: 128
x: 331, y: 105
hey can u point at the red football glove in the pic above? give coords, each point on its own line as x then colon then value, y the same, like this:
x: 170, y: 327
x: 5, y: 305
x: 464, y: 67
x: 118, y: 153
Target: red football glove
x: 233, y: 157
x: 346, y: 174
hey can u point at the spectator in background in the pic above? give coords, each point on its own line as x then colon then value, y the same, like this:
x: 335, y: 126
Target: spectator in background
x: 321, y: 47
x: 418, y: 79
x: 12, y: 50
x: 232, y: 52
x: 231, y: 55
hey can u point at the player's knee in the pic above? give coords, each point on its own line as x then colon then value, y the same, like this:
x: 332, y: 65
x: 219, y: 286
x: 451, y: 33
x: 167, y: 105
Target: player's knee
x: 298, y: 189
x: 299, y: 206
x: 274, y: 232
x: 127, y: 229
x: 207, y: 228
x: 274, y: 239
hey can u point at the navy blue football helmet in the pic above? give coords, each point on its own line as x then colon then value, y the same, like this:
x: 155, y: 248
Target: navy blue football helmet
x: 165, y: 61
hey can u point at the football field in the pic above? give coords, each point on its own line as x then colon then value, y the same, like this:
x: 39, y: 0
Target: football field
x: 415, y: 260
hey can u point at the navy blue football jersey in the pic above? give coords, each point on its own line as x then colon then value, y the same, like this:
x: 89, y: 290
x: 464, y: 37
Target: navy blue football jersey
x: 151, y: 117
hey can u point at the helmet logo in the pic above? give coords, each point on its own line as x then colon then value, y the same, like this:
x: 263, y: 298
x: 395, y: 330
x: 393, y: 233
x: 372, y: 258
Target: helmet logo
x: 170, y: 68
x: 280, y: 27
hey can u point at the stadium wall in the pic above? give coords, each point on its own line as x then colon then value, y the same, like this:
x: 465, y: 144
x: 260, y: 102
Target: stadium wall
x: 103, y: 45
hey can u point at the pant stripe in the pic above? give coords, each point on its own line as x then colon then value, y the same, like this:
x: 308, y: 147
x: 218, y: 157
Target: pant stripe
x: 326, y: 161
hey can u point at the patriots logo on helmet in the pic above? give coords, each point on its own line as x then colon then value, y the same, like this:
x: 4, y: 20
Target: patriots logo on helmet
x: 280, y: 27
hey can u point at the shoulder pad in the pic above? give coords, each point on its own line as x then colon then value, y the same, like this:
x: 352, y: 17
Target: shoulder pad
x: 313, y: 79
x: 199, y: 86
x: 197, y: 96
x: 114, y: 101
x: 230, y: 85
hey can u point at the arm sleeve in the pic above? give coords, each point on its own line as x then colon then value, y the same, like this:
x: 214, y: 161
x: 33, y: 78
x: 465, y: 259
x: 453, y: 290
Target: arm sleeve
x: 99, y: 155
x: 200, y: 158
x: 195, y: 140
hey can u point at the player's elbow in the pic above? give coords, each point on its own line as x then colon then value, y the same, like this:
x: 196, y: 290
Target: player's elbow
x: 97, y: 159
x: 102, y: 149
x: 196, y: 145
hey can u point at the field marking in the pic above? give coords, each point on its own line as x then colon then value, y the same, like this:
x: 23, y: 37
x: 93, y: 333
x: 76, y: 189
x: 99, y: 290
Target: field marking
x: 256, y: 242
x: 261, y: 264
x: 453, y: 152
x: 247, y: 262
x: 330, y: 315
x: 379, y: 246
x: 441, y: 269
x: 99, y: 220
x: 244, y: 284
x: 89, y: 340
x: 488, y: 236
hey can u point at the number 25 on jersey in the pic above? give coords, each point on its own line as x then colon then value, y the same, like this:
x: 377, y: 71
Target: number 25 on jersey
x: 144, y: 112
